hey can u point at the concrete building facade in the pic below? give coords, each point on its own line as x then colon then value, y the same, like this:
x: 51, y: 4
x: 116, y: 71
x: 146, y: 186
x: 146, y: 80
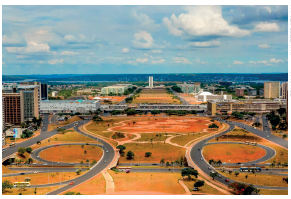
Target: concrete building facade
x: 117, y: 89
x: 69, y: 106
x: 190, y: 88
x: 239, y: 92
x: 252, y: 92
x: 257, y: 106
x: 272, y: 89
x: 151, y: 82
x: 284, y: 90
x: 13, y: 108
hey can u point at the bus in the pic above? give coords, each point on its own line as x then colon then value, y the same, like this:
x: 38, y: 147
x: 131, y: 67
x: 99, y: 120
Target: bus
x: 244, y: 169
x: 256, y: 168
x: 124, y: 168
x: 21, y: 184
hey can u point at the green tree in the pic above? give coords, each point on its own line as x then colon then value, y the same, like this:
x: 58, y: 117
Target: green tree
x: 162, y: 161
x: 167, y: 164
x: 130, y: 155
x: 189, y: 172
x: 38, y: 142
x: 22, y: 125
x: 6, y: 185
x: 281, y: 111
x: 30, y: 160
x: 246, y: 176
x: 219, y: 162
x: 213, y: 126
x: 148, y: 154
x: 213, y: 175
x: 35, y: 191
x: 121, y: 148
x: 199, y: 183
x: 21, y: 151
x: 78, y: 172
x: 236, y: 173
x: 61, y: 130
x: 28, y: 149
x: 275, y: 121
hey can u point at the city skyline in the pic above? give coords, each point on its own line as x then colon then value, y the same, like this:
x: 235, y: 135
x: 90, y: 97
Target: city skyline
x: 144, y: 39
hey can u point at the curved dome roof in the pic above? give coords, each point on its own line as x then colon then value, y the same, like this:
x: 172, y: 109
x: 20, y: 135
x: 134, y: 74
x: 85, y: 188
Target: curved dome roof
x: 205, y: 93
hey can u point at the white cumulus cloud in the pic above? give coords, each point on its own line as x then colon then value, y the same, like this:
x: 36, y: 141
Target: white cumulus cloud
x: 264, y: 46
x: 156, y: 51
x: 237, y: 62
x: 202, y: 21
x: 205, y: 44
x: 158, y: 61
x: 143, y: 40
x: 69, y: 53
x: 266, y: 27
x: 142, y: 60
x: 273, y: 60
x: 125, y: 50
x: 182, y: 60
x: 55, y: 61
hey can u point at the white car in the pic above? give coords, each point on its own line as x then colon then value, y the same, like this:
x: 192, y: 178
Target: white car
x: 35, y: 172
x: 45, y: 164
x: 268, y: 136
x: 33, y: 163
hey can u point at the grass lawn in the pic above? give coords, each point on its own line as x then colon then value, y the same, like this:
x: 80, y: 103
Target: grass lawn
x: 238, y: 135
x: 261, y: 179
x: 155, y: 97
x: 155, y: 136
x: 281, y: 153
x: 147, y: 182
x: 6, y: 170
x: 44, y: 178
x: 69, y: 136
x: 204, y: 189
x: 72, y: 153
x: 94, y: 186
x: 159, y: 151
x: 30, y: 191
x: 101, y: 128
x: 183, y: 139
x: 232, y: 153
x: 273, y: 192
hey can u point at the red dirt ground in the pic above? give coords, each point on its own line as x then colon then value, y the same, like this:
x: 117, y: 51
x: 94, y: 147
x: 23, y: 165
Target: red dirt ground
x: 232, y: 153
x: 167, y: 125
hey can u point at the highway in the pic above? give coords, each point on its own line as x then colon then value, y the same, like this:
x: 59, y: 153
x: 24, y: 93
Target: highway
x: 198, y: 159
x: 97, y: 168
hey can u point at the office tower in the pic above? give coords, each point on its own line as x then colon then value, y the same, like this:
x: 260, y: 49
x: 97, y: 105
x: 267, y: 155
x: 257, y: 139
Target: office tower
x: 151, y: 82
x: 13, y: 108
x: 239, y: 92
x: 44, y: 92
x: 284, y: 90
x: 272, y: 89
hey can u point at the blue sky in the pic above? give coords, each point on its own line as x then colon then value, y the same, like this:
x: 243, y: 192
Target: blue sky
x: 144, y: 39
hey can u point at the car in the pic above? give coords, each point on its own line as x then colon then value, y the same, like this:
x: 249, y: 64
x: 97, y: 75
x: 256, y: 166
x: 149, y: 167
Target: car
x: 45, y: 164
x: 195, y: 189
x: 58, y: 163
x: 201, y: 158
x: 104, y: 161
x: 71, y: 183
x: 37, y: 156
x: 56, y: 145
x: 136, y: 165
x: 268, y: 136
x: 87, y: 144
x: 226, y: 180
x: 35, y: 172
x: 127, y: 171
x: 198, y: 149
x: 209, y: 168
x: 21, y: 173
x: 3, y: 150
x: 72, y: 163
x: 155, y: 164
x: 224, y: 163
x: 267, y: 169
x: 253, y: 164
x: 219, y: 176
x: 107, y: 151
x: 33, y: 163
x: 185, y: 168
x: 238, y: 163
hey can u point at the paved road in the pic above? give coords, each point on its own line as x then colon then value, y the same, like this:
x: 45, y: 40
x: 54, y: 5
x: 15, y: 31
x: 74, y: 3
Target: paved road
x: 266, y: 125
x: 269, y: 154
x: 40, y: 170
x: 267, y: 135
x: 180, y: 98
x: 197, y: 157
x: 123, y: 101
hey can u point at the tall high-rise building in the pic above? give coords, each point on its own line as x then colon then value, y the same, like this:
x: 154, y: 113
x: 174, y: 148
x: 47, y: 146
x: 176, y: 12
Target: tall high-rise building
x: 284, y: 90
x: 13, y: 108
x: 271, y: 89
x: 151, y: 82
x: 44, y: 92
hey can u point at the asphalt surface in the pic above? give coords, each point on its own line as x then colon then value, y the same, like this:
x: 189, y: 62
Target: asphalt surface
x: 39, y: 170
x: 97, y: 168
x: 180, y: 98
x: 123, y: 101
x: 267, y: 135
x: 197, y: 157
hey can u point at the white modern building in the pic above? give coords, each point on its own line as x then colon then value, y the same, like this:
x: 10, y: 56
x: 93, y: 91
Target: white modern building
x: 151, y: 81
x: 117, y: 89
x: 69, y: 106
x: 204, y: 96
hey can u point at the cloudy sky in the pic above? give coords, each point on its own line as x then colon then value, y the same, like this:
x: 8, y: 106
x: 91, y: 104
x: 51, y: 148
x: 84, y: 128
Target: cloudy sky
x: 144, y: 39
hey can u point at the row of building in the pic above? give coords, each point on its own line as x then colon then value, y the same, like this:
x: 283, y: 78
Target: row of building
x: 117, y: 89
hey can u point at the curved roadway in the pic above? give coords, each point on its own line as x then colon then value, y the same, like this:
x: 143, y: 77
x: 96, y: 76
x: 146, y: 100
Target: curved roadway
x: 197, y: 157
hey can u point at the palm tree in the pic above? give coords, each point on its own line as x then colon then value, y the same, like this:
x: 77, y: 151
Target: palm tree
x: 30, y: 160
x: 219, y: 162
x: 162, y: 161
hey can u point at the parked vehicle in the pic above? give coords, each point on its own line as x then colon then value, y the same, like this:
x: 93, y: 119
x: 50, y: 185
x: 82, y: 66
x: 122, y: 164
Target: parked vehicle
x: 21, y: 173
x: 127, y: 171
x: 71, y: 183
x: 195, y: 189
x: 226, y: 180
